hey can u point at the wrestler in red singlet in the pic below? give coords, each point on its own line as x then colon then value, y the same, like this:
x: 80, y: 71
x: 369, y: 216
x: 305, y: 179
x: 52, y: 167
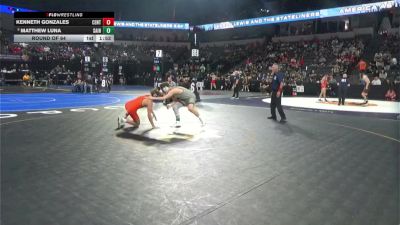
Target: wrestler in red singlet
x: 324, y: 86
x: 324, y: 82
x: 133, y: 105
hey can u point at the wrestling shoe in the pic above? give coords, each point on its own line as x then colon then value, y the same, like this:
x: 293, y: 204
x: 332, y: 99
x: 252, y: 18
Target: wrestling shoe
x: 121, y: 122
x: 178, y: 124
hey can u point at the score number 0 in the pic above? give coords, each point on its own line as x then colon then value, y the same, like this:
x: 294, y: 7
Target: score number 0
x: 108, y: 21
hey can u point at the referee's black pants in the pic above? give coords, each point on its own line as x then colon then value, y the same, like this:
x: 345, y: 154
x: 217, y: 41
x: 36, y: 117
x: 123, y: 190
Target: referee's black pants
x: 276, y: 103
x: 342, y: 94
x: 236, y: 91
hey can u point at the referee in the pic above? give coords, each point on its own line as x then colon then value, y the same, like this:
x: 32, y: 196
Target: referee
x: 236, y: 84
x: 277, y: 87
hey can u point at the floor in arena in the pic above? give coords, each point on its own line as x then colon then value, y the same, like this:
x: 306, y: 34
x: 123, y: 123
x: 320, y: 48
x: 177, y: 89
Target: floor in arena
x: 64, y: 162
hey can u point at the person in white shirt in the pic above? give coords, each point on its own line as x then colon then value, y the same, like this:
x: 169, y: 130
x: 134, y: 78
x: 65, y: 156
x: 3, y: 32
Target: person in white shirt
x: 393, y: 63
x: 376, y: 81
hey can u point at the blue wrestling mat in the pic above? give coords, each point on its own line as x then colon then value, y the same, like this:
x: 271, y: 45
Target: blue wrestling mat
x: 45, y: 101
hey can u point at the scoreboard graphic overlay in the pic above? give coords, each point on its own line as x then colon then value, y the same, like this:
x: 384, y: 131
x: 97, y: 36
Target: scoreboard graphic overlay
x: 64, y: 27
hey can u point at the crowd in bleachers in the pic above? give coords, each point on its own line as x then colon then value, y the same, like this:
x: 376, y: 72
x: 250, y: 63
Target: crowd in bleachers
x: 385, y: 62
x: 303, y: 62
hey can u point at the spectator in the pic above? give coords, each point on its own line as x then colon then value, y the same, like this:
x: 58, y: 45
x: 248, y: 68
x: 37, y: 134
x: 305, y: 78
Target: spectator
x: 383, y: 74
x: 265, y: 87
x: 397, y: 80
x: 378, y: 58
x: 170, y: 81
x: 391, y: 93
x: 246, y: 84
x: 362, y: 65
x: 26, y: 79
x: 68, y: 81
x: 202, y: 69
x: 78, y: 85
x: 121, y: 80
x: 394, y: 62
x: 376, y: 81
x: 88, y: 84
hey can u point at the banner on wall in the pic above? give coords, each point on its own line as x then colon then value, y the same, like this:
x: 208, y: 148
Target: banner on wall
x: 151, y: 25
x: 308, y: 15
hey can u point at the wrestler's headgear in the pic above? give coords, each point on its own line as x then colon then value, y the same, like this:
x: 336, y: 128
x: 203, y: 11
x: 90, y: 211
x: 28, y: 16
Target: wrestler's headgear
x: 164, y: 87
x: 155, y: 92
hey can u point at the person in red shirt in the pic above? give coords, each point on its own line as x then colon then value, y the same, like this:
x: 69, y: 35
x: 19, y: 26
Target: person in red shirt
x: 301, y: 63
x: 362, y: 66
x: 133, y: 105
